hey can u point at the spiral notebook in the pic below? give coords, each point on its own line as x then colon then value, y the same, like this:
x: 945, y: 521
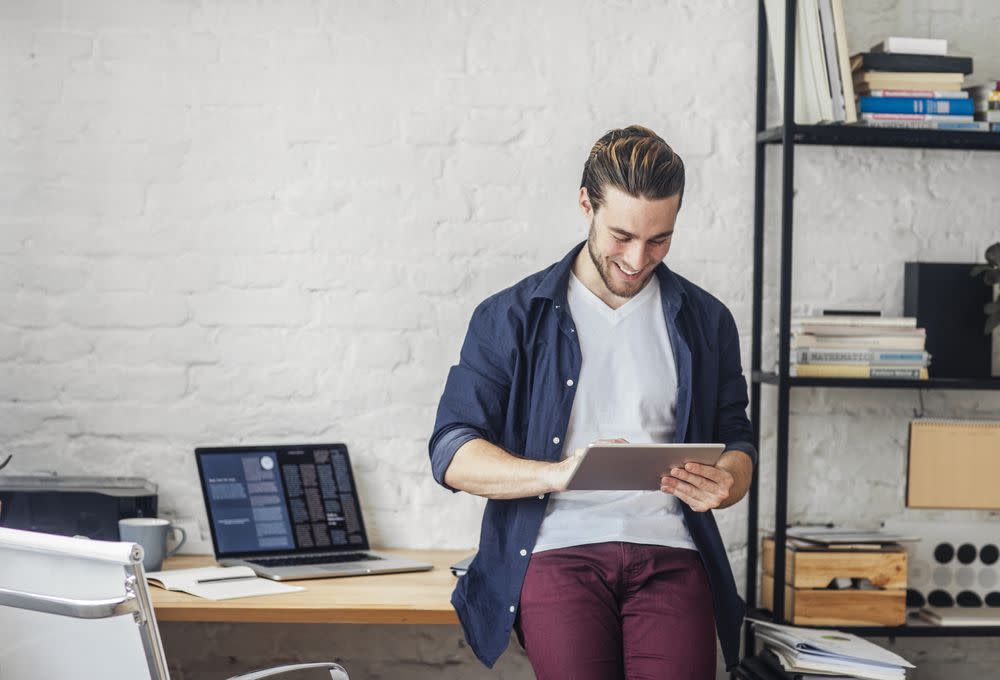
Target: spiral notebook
x: 954, y: 464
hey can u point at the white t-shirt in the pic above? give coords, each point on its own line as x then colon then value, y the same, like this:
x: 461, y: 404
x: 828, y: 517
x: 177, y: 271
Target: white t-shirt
x: 627, y: 388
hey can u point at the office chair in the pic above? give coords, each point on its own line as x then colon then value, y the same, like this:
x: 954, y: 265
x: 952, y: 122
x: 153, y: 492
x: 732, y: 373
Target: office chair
x: 76, y: 608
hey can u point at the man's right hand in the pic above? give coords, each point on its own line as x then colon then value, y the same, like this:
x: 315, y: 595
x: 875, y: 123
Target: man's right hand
x: 563, y: 470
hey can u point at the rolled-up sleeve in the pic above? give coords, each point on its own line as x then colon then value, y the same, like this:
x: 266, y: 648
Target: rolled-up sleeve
x: 733, y: 426
x: 476, y: 394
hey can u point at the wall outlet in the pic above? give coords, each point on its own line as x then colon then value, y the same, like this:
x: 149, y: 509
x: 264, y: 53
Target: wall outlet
x: 197, y: 543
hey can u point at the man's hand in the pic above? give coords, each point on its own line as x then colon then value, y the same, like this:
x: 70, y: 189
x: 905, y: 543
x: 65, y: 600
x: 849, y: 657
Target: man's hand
x: 562, y: 471
x: 705, y: 487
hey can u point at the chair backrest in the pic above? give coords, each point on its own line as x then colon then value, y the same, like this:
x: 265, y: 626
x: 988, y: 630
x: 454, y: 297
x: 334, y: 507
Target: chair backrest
x: 75, y: 608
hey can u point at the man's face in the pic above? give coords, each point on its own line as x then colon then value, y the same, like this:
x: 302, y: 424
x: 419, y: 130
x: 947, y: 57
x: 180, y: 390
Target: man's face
x: 628, y: 238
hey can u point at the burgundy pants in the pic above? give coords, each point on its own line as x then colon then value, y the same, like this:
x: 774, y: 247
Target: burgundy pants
x: 609, y: 611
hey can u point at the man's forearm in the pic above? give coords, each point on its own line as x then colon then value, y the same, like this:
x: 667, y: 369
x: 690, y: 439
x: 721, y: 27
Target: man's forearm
x: 486, y: 470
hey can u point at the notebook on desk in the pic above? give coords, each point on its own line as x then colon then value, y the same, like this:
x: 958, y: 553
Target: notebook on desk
x: 289, y: 512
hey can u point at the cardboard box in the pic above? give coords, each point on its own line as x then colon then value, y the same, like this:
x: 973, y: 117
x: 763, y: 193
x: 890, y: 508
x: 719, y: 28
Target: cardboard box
x: 953, y: 464
x: 808, y: 572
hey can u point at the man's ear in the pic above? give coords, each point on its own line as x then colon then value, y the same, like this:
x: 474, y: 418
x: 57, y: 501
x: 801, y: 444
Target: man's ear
x: 584, y: 202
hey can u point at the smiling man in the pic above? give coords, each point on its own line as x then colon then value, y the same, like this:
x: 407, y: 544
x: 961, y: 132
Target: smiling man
x: 608, y: 344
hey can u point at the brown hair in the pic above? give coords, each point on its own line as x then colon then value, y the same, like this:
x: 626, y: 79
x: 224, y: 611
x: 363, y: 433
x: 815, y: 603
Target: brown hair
x: 634, y: 160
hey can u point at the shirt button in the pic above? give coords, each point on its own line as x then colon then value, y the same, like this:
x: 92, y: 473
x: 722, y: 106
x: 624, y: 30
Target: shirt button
x: 512, y: 609
x: 556, y: 440
x: 523, y: 552
x: 569, y: 383
x: 541, y: 497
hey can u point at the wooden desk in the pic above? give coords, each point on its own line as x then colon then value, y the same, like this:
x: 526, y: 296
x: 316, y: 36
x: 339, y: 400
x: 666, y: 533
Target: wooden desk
x: 416, y: 597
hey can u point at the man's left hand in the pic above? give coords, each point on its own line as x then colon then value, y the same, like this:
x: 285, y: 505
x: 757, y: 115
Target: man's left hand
x: 705, y: 487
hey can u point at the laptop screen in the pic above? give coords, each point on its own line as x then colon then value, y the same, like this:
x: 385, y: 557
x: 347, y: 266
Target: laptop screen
x: 281, y: 499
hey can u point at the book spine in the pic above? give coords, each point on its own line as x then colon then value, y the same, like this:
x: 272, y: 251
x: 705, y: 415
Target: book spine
x: 956, y: 107
x: 972, y: 126
x: 916, y: 116
x: 857, y: 371
x: 859, y: 356
x: 924, y: 94
x: 898, y: 372
x: 858, y: 342
x: 893, y: 45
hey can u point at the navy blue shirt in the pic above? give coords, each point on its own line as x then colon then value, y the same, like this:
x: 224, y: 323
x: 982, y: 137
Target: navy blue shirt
x: 511, y: 387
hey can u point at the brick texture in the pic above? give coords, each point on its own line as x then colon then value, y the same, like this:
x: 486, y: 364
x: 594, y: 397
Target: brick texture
x: 231, y: 222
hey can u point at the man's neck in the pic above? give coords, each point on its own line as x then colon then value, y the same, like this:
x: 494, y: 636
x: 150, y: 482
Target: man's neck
x: 586, y: 272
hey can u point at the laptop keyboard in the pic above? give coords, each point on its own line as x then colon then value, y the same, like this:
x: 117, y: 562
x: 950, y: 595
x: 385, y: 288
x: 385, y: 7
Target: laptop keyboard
x: 302, y: 560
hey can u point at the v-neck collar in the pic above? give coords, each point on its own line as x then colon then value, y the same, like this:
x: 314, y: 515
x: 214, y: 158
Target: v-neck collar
x: 609, y: 314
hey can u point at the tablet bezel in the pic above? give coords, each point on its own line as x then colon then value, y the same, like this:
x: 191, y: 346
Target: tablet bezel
x: 636, y: 467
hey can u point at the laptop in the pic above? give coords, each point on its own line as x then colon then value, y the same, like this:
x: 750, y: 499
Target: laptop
x: 289, y: 512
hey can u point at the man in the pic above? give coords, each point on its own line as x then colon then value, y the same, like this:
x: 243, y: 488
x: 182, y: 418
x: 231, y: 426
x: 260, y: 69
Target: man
x: 606, y: 344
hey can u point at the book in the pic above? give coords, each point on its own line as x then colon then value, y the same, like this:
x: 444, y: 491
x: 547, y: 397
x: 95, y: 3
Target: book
x: 832, y: 60
x: 910, y: 63
x: 961, y: 616
x: 894, y: 44
x: 808, y: 17
x: 843, y: 58
x: 973, y: 126
x: 866, y: 342
x: 856, y: 371
x: 817, y: 650
x: 766, y: 659
x: 866, y: 320
x: 868, y: 357
x: 882, y: 80
x: 218, y: 583
x: 925, y: 94
x: 833, y: 536
x: 918, y: 117
x: 943, y: 106
x: 813, y: 102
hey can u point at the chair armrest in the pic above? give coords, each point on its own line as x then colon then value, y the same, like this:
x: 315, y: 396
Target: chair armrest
x: 65, y: 606
x: 337, y: 671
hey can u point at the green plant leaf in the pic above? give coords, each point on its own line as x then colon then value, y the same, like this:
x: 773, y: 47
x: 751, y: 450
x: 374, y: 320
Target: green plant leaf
x: 991, y: 307
x: 993, y: 254
x: 992, y: 322
x: 992, y: 277
x: 979, y: 269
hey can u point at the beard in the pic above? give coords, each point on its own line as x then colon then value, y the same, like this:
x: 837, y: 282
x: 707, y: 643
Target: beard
x: 604, y: 268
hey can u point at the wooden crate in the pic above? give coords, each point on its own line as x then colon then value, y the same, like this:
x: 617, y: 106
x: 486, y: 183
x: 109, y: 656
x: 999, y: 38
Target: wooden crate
x: 808, y: 572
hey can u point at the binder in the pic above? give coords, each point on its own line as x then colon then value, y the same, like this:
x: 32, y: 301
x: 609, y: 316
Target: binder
x: 954, y: 464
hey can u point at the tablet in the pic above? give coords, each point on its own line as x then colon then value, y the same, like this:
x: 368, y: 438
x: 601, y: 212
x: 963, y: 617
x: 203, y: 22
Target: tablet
x: 636, y: 467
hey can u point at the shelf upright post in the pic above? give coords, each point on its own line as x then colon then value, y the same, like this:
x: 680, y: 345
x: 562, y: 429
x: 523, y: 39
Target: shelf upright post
x: 760, y: 156
x: 785, y: 313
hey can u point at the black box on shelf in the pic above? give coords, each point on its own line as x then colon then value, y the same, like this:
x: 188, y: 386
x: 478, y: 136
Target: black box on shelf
x: 948, y: 303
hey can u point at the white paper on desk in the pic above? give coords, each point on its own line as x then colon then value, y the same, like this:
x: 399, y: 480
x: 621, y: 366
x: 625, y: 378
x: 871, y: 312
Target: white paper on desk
x: 218, y: 583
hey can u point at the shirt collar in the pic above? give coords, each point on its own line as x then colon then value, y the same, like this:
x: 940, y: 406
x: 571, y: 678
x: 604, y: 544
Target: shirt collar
x: 553, y: 284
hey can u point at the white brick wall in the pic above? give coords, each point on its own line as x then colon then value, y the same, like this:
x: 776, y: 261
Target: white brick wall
x: 247, y: 222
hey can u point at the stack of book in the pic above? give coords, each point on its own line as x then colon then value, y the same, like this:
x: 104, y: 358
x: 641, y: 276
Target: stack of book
x: 816, y: 653
x: 986, y: 103
x: 913, y: 82
x: 858, y: 346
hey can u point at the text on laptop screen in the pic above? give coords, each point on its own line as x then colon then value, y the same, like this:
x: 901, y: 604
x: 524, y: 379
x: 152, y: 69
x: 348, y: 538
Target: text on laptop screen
x: 269, y: 501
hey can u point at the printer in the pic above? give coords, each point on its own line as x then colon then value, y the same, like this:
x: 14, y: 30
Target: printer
x: 74, y: 506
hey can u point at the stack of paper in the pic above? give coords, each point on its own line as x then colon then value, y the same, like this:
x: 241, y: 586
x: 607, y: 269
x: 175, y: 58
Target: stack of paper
x: 829, y: 652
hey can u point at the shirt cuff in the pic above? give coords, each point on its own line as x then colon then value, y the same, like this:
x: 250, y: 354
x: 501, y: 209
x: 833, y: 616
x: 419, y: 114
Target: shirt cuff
x: 446, y: 447
x: 746, y: 447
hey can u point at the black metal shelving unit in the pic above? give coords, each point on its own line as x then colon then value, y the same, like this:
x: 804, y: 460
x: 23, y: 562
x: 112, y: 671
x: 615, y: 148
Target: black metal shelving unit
x: 788, y: 135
